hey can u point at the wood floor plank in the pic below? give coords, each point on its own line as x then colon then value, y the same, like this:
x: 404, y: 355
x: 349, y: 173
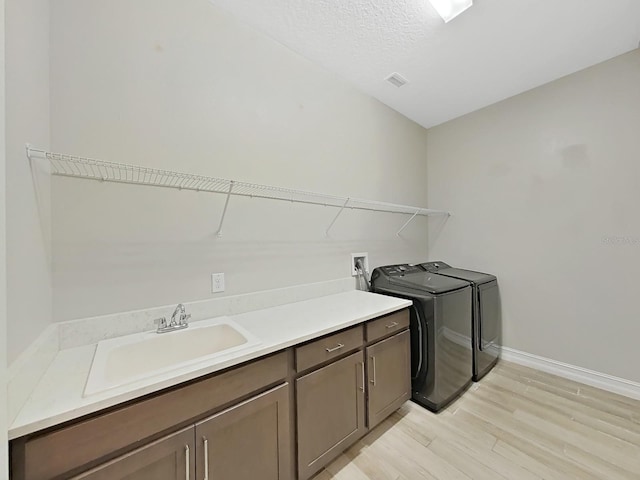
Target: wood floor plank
x: 572, y: 391
x: 586, y: 391
x: 588, y: 416
x: 601, y: 467
x: 383, y: 444
x: 405, y: 464
x: 516, y: 424
x: 372, y: 465
x: 484, y: 452
x: 548, y: 419
x: 592, y: 448
x: 323, y: 475
x: 342, y: 468
x: 526, y: 462
x: 474, y: 469
x: 544, y: 448
x: 443, y: 424
x: 403, y: 446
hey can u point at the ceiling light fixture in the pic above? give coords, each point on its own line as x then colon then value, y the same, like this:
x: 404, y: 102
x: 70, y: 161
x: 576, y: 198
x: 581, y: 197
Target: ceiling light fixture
x: 450, y: 9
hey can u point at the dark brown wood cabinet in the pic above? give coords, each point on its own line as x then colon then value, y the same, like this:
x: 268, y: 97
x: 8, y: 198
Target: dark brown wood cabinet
x: 169, y: 458
x: 75, y: 447
x: 243, y: 423
x: 244, y: 442
x: 331, y: 401
x: 389, y: 374
x: 330, y: 412
x: 247, y: 441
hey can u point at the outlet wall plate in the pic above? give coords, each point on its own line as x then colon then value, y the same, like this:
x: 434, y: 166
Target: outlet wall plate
x: 352, y: 265
x: 217, y: 282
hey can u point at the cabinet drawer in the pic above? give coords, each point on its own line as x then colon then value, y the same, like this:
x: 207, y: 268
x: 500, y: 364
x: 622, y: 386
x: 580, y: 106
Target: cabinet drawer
x: 329, y: 347
x: 387, y: 325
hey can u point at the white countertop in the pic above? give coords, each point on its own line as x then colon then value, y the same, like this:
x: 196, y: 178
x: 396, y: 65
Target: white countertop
x: 58, y: 396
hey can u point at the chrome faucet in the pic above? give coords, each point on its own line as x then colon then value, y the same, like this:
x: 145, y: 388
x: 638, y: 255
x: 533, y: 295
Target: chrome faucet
x: 174, y: 324
x: 181, y: 318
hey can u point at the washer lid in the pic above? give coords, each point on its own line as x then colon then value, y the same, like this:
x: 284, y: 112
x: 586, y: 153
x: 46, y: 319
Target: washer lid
x: 468, y: 275
x: 428, y: 282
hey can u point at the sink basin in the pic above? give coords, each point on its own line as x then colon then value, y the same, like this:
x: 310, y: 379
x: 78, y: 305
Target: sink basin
x: 131, y: 358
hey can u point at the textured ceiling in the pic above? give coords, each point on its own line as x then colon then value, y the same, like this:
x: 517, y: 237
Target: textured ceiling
x: 496, y: 49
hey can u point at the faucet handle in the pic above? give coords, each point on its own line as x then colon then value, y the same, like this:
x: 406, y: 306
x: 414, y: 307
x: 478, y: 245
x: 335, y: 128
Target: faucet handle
x: 184, y: 317
x: 162, y: 322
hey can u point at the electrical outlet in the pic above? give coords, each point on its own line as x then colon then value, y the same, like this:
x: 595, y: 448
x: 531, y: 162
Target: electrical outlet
x: 365, y: 261
x: 217, y: 282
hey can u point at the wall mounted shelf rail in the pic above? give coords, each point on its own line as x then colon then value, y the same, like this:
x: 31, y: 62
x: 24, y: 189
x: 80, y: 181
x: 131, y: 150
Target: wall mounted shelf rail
x: 105, y: 171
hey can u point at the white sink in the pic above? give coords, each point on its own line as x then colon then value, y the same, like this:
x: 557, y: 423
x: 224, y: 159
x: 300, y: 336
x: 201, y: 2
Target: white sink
x: 131, y: 358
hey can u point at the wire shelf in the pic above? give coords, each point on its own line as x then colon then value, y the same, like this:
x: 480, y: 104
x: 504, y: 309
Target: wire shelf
x: 100, y: 170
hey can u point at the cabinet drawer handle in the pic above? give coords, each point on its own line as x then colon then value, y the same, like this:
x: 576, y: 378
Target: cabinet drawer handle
x: 206, y: 458
x: 373, y: 367
x: 392, y: 324
x: 363, y: 380
x: 338, y: 347
x: 186, y: 463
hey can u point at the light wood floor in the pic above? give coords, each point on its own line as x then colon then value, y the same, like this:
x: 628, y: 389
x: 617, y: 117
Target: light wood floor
x: 516, y: 423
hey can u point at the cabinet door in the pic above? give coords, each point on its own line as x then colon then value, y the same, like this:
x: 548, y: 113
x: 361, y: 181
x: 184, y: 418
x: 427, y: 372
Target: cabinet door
x: 389, y: 373
x: 248, y: 441
x: 170, y: 458
x: 330, y: 412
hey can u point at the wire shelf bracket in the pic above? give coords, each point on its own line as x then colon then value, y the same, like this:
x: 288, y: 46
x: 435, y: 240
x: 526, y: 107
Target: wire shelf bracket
x: 224, y: 210
x: 326, y: 232
x: 407, y: 223
x: 88, y: 168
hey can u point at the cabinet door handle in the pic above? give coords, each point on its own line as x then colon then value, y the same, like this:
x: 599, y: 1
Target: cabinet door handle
x: 363, y: 380
x: 186, y: 462
x: 373, y: 367
x: 338, y: 347
x: 392, y: 324
x: 206, y: 458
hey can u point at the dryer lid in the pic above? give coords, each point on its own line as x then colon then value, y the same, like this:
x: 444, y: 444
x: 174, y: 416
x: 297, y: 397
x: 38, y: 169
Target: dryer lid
x: 428, y: 282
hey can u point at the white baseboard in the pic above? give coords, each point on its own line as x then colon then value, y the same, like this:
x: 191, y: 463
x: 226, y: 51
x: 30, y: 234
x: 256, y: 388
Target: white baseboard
x: 604, y: 381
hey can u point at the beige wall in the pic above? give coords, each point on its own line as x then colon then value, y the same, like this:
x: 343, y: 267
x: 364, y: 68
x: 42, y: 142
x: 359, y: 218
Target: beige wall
x: 545, y: 189
x: 184, y: 86
x: 28, y: 191
x: 4, y: 464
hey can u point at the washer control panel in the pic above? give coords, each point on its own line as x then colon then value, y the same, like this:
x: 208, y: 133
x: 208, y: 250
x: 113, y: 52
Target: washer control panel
x: 402, y: 269
x: 434, y: 266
